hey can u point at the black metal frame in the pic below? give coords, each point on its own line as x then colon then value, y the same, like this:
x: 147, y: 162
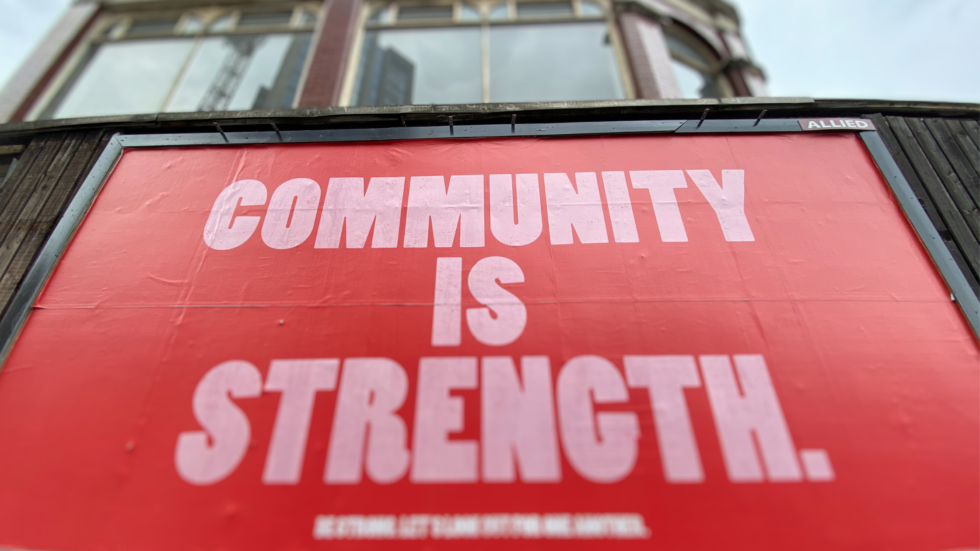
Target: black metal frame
x: 36, y: 278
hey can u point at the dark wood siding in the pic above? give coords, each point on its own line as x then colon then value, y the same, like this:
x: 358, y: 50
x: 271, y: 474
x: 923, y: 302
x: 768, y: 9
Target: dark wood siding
x: 8, y: 159
x: 38, y: 190
x: 940, y: 160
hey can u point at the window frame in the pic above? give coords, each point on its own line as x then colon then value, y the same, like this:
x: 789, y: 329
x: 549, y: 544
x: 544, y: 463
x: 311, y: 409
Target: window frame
x: 715, y: 68
x: 484, y: 23
x: 101, y: 32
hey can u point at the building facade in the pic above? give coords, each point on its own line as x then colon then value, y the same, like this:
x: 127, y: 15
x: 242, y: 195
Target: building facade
x: 125, y: 57
x: 522, y: 275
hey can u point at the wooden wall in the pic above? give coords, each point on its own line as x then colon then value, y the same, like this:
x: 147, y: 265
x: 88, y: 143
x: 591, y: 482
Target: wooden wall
x: 34, y: 196
x: 940, y: 160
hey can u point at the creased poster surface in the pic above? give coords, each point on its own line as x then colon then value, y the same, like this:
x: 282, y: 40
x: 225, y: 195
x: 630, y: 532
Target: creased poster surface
x: 710, y: 342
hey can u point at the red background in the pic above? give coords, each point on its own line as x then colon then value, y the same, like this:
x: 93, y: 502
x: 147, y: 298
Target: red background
x: 870, y: 358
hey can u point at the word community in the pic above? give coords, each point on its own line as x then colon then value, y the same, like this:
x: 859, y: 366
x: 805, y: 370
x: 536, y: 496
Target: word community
x: 527, y: 420
x: 514, y: 202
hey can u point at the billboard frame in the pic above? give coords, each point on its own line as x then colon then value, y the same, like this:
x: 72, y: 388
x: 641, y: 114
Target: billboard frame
x: 57, y: 243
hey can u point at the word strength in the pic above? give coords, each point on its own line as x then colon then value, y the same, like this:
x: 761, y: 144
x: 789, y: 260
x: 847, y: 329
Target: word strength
x: 527, y: 420
x: 516, y: 215
x: 486, y: 526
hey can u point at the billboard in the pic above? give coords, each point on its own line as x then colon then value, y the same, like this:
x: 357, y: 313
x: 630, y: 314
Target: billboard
x: 669, y: 342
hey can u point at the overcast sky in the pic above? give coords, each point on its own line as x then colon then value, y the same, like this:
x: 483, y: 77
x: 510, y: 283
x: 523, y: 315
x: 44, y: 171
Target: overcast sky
x: 881, y: 49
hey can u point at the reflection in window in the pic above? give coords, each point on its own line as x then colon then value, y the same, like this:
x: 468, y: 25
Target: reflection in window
x: 176, y: 73
x: 561, y: 62
x: 124, y: 78
x: 117, y: 31
x: 405, y: 66
x: 241, y: 73
x: 690, y: 80
x: 306, y: 17
x: 544, y: 10
x: 500, y: 12
x: 151, y: 27
x: 469, y: 13
x: 482, y: 61
x: 192, y: 25
x: 431, y: 13
x: 698, y: 76
x: 221, y: 24
x: 590, y: 9
x: 269, y: 19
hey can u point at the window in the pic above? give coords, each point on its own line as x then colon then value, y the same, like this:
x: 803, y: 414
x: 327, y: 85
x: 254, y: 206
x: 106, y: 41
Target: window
x: 202, y: 60
x: 698, y: 73
x: 486, y: 52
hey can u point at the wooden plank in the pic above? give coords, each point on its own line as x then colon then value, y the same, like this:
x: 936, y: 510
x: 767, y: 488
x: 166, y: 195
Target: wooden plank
x: 25, y: 204
x: 933, y: 185
x: 81, y: 163
x: 972, y: 128
x: 942, y: 166
x: 102, y: 138
x: 961, y: 164
x: 10, y: 215
x: 966, y: 144
x: 5, y: 163
x: 11, y: 149
x: 32, y: 218
x: 24, y: 164
x: 898, y: 154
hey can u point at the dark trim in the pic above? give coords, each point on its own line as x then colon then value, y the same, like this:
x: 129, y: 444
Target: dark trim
x: 402, y: 133
x: 9, y: 171
x: 723, y: 126
x: 37, y: 277
x: 924, y: 228
x: 739, y: 126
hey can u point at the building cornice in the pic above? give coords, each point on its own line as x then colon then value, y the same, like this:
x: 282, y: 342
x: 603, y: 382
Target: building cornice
x: 494, y: 113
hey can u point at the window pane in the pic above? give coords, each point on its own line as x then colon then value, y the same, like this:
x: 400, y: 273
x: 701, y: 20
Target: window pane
x: 381, y: 16
x: 544, y: 10
x: 684, y: 49
x: 307, y: 17
x: 561, y: 62
x: 416, y: 13
x: 242, y: 73
x: 499, y: 13
x: 691, y: 80
x: 221, y: 24
x: 278, y: 19
x: 192, y: 25
x: 468, y: 13
x: 117, y: 31
x: 590, y: 9
x: 403, y: 66
x: 124, y: 78
x: 152, y: 27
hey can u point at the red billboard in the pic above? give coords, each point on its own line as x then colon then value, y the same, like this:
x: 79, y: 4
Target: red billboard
x: 636, y: 342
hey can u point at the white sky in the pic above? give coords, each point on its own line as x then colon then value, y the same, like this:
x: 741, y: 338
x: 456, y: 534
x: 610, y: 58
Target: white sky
x: 881, y: 49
